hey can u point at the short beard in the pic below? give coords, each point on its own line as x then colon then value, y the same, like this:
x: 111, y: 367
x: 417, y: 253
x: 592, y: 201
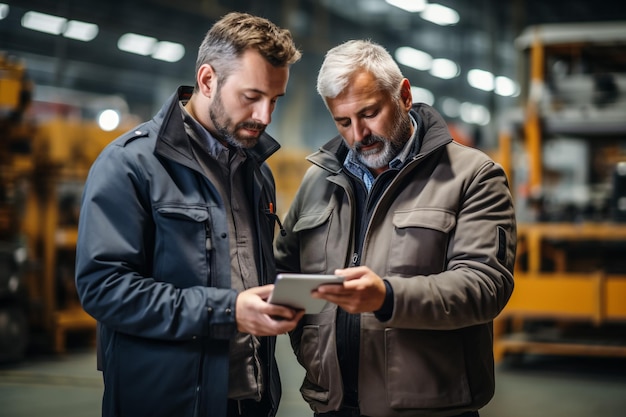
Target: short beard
x: 400, y: 134
x: 221, y: 122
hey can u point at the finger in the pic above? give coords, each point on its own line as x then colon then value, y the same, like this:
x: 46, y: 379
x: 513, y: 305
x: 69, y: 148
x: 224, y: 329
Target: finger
x: 352, y: 273
x: 278, y: 311
x: 335, y: 298
x: 286, y: 324
x: 263, y: 291
x: 282, y: 325
x: 329, y: 289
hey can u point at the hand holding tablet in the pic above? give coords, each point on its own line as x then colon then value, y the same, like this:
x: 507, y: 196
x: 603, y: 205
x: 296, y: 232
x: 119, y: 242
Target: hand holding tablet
x: 294, y: 290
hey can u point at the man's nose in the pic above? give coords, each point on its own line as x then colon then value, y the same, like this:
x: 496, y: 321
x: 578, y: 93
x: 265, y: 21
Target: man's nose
x: 360, y: 131
x: 263, y: 112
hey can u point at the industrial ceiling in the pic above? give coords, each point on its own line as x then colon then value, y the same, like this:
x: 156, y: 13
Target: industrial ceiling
x: 80, y: 71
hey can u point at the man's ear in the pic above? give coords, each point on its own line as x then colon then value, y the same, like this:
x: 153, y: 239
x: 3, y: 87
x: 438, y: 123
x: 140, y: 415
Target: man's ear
x: 405, y: 94
x: 206, y: 79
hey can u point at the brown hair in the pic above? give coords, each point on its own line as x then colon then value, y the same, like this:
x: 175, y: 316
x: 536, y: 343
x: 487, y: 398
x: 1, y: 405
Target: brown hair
x: 237, y: 32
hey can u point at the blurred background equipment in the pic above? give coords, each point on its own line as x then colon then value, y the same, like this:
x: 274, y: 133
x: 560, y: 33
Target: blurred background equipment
x: 565, y: 151
x: 44, y: 159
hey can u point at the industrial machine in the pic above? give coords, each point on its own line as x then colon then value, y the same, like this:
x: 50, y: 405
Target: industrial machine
x: 44, y: 159
x: 15, y: 92
x: 565, y: 154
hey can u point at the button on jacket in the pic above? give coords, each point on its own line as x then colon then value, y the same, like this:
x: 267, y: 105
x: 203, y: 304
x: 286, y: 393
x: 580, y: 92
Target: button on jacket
x: 152, y: 267
x: 443, y: 235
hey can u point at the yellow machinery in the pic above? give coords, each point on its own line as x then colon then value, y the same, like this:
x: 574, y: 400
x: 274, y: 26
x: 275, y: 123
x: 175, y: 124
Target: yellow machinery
x: 15, y: 166
x: 43, y: 164
x: 563, y: 154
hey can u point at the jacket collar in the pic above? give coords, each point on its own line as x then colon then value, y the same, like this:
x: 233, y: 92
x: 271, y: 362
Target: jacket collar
x: 434, y: 131
x: 172, y: 141
x: 432, y: 134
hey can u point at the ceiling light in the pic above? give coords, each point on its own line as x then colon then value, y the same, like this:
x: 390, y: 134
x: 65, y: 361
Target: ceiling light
x: 444, y: 68
x: 483, y: 80
x: 451, y: 107
x: 136, y: 44
x: 422, y: 95
x: 372, y: 6
x: 506, y: 87
x: 413, y: 58
x: 412, y: 6
x: 43, y: 22
x: 108, y: 120
x: 4, y: 10
x: 81, y: 31
x: 440, y: 15
x: 168, y: 51
x: 475, y: 114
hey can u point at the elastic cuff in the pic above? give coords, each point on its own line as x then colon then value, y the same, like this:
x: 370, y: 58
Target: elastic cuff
x: 386, y: 311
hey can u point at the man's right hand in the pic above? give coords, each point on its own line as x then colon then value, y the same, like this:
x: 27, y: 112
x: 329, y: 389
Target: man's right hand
x: 256, y: 316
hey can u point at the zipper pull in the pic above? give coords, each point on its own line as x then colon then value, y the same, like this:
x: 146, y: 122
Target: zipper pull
x: 355, y: 259
x: 272, y: 214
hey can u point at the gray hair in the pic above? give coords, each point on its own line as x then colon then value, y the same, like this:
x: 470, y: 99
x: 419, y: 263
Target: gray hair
x: 344, y: 61
x: 237, y: 32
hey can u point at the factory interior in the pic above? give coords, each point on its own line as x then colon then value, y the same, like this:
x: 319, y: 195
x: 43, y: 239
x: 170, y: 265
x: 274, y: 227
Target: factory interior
x: 540, y: 86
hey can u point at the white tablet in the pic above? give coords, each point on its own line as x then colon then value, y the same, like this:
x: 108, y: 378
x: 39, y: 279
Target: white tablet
x: 294, y: 290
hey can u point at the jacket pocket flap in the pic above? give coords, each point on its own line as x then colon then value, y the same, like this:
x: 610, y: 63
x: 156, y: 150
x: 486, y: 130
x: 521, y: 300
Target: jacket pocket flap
x: 311, y: 221
x: 197, y: 214
x: 437, y: 219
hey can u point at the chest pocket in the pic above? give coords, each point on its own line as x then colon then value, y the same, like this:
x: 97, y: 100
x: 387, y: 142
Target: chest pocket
x: 419, y: 241
x: 313, y: 230
x: 182, y: 239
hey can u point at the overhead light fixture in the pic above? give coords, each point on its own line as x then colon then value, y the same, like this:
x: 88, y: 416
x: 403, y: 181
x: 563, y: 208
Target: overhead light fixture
x: 506, y: 87
x: 168, y: 51
x: 475, y: 114
x: 42, y: 22
x: 4, y: 10
x: 81, y: 31
x: 451, y: 107
x: 422, y: 95
x: 56, y: 25
x: 136, y: 44
x: 486, y: 81
x: 412, y: 6
x: 444, y: 68
x: 147, y: 45
x: 108, y: 120
x: 483, y: 80
x: 440, y: 15
x: 413, y: 58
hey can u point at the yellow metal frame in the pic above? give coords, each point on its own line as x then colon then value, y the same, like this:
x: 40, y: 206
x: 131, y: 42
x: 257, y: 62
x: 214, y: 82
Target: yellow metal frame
x: 561, y: 295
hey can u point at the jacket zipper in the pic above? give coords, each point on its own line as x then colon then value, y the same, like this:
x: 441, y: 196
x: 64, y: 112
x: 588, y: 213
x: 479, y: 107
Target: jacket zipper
x: 355, y: 259
x: 208, y: 244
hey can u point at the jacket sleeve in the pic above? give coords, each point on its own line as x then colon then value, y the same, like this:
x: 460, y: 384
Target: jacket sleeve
x: 114, y: 261
x: 476, y: 281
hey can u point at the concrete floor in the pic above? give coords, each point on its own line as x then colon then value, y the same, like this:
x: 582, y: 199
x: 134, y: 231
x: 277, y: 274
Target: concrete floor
x: 69, y: 386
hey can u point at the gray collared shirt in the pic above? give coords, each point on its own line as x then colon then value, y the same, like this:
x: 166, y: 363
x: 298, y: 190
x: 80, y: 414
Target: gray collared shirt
x: 246, y: 380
